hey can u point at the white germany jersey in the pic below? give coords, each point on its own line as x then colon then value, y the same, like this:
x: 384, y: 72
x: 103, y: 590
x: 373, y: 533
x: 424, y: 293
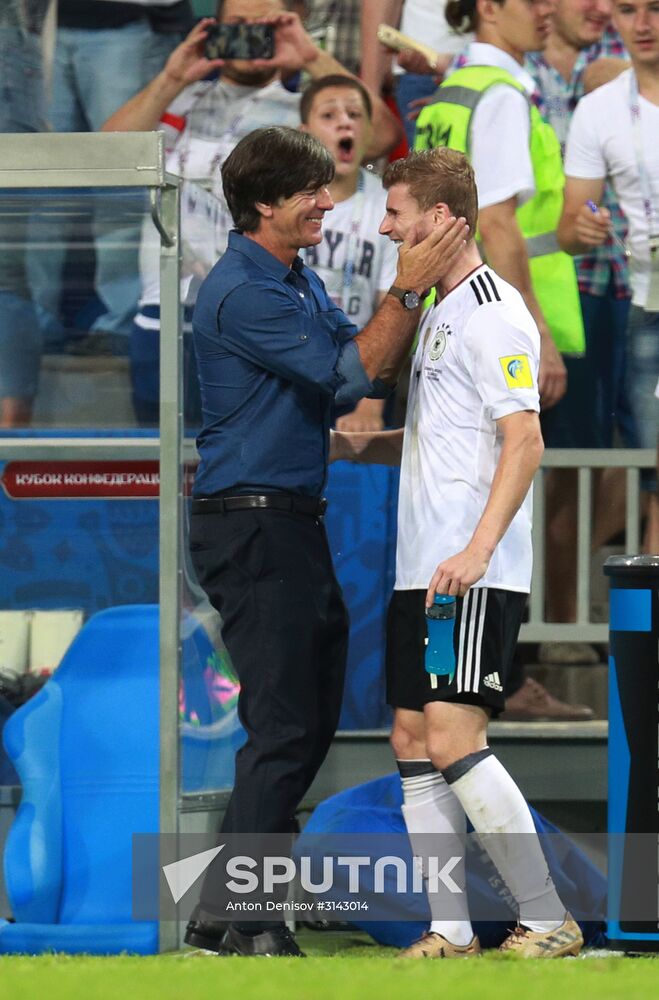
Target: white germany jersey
x: 476, y: 361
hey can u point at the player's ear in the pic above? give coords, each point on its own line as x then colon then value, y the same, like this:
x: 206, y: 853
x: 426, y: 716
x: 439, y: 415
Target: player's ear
x: 440, y: 212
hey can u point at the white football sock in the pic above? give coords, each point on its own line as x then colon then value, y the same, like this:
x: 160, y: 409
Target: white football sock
x: 431, y: 807
x: 502, y: 819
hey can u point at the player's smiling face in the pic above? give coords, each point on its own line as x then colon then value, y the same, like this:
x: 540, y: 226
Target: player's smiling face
x: 404, y: 219
x: 339, y: 119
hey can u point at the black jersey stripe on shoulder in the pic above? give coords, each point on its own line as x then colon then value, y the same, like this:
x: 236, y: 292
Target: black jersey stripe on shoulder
x: 493, y: 286
x: 484, y: 288
x: 474, y: 288
x: 485, y: 291
x: 481, y: 290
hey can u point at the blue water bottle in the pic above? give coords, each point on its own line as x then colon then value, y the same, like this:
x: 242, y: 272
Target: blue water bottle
x: 440, y: 655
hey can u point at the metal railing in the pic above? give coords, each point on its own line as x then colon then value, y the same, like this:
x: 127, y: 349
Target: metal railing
x: 585, y: 462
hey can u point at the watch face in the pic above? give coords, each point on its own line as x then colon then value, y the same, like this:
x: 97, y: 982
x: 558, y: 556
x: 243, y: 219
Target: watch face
x: 411, y: 300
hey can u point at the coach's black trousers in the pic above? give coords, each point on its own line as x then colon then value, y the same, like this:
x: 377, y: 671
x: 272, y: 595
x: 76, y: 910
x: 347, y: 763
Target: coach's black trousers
x: 269, y: 573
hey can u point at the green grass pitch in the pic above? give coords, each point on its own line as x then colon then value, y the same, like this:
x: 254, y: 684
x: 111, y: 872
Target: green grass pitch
x: 339, y: 967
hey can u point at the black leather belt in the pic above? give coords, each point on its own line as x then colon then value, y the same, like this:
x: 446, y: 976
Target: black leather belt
x: 313, y: 506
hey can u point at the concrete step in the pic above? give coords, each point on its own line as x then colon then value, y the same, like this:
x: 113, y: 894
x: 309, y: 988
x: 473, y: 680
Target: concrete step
x: 85, y: 392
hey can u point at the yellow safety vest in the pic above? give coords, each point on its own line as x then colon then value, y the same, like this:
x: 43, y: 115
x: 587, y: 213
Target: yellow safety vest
x: 447, y: 122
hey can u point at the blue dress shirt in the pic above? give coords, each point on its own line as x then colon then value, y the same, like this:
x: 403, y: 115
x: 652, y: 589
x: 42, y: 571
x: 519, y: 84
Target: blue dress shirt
x: 275, y: 355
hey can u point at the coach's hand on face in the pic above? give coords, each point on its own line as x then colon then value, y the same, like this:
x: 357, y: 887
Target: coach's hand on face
x: 421, y: 264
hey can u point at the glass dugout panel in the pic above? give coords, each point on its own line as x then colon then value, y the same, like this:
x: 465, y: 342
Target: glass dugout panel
x: 79, y: 532
x: 69, y: 286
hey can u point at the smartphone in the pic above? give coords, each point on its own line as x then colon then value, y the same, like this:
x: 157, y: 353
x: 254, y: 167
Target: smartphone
x: 394, y: 39
x: 240, y: 41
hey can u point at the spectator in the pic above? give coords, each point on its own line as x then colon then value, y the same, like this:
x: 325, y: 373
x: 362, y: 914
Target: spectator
x: 203, y: 120
x: 613, y: 136
x: 22, y: 110
x: 355, y: 263
x: 106, y: 51
x: 579, y: 36
x: 335, y: 26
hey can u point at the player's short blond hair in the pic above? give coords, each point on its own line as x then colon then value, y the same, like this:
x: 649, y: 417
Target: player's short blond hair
x: 438, y: 175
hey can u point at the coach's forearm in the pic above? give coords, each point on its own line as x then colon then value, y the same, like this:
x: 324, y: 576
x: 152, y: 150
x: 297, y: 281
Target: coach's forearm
x: 367, y: 447
x: 385, y: 341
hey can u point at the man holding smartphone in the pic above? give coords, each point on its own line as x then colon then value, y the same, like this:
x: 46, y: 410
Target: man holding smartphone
x: 203, y: 119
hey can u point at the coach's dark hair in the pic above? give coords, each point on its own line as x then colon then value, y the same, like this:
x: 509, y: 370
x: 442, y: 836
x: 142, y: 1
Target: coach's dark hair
x: 270, y: 164
x: 462, y: 15
x: 438, y: 175
x: 334, y: 80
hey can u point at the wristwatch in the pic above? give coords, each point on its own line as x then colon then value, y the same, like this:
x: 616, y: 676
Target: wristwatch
x: 409, y: 299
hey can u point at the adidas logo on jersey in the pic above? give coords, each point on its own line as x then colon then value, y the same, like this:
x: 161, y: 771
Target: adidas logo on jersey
x: 493, y: 681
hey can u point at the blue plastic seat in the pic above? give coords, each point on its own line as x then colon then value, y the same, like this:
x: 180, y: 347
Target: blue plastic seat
x: 86, y: 749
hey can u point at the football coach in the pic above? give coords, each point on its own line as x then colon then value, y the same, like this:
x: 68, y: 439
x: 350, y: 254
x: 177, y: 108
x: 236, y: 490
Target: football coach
x: 276, y: 358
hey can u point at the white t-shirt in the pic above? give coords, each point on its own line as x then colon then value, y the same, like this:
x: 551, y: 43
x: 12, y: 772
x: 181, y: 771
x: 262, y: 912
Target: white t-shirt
x: 601, y: 144
x: 201, y: 128
x: 373, y: 257
x: 476, y: 361
x: 424, y: 21
x: 500, y: 132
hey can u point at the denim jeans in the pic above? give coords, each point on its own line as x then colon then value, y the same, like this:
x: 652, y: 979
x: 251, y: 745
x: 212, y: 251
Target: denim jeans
x: 409, y: 87
x: 95, y: 73
x: 22, y: 107
x: 642, y: 375
x: 22, y: 101
x: 605, y: 321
